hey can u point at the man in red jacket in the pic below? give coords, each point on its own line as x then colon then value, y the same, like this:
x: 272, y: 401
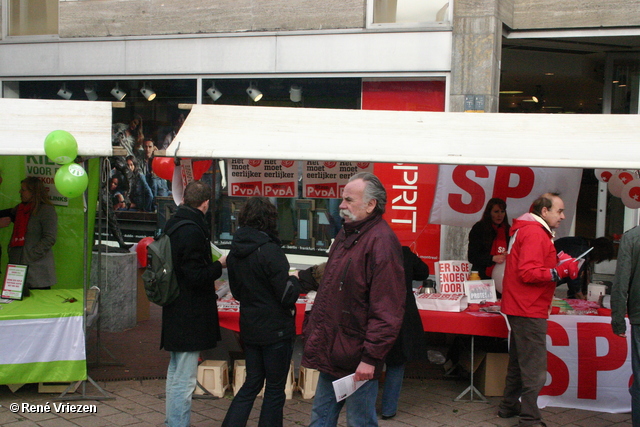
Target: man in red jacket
x: 531, y: 272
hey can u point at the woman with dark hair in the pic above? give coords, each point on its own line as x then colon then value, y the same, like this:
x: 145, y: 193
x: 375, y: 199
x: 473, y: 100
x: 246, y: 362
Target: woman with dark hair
x: 35, y: 228
x: 489, y: 238
x: 130, y: 136
x: 259, y: 278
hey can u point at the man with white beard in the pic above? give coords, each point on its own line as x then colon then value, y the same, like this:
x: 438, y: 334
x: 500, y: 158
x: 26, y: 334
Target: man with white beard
x: 359, y: 307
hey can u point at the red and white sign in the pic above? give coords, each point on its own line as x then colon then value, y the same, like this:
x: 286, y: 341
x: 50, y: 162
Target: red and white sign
x: 326, y: 180
x: 410, y: 189
x: 464, y: 190
x: 268, y: 178
x: 451, y: 275
x: 442, y: 302
x: 589, y: 367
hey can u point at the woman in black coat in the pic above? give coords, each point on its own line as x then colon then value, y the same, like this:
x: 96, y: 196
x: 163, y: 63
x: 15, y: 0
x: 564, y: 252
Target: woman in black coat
x: 489, y: 238
x: 410, y: 343
x: 259, y: 278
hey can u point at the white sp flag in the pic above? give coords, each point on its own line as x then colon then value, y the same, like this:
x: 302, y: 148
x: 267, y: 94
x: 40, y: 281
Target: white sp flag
x: 463, y: 191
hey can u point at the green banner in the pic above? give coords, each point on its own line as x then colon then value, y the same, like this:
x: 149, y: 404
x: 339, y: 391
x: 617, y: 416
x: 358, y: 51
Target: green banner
x: 70, y: 242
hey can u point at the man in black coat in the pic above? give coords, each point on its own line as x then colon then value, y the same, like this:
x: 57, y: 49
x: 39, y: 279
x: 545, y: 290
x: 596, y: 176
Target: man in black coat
x: 575, y: 246
x: 190, y: 323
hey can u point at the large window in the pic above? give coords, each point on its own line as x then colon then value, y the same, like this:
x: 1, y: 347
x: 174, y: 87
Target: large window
x: 408, y: 12
x: 32, y: 17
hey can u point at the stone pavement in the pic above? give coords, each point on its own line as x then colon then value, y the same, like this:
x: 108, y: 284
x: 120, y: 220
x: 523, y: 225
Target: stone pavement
x: 140, y: 403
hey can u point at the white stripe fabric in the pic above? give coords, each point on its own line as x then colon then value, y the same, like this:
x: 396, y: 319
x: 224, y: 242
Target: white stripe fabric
x: 41, y: 340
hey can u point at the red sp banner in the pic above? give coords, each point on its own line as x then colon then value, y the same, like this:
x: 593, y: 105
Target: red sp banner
x: 588, y: 366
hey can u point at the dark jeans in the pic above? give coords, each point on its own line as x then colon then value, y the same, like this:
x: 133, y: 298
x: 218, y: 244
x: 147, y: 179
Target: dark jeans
x: 270, y: 362
x: 527, y: 370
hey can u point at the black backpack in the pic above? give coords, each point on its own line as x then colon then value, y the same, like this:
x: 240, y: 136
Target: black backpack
x: 160, y: 282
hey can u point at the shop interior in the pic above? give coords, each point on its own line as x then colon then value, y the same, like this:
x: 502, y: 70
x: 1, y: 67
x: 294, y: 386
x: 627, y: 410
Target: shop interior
x: 587, y: 75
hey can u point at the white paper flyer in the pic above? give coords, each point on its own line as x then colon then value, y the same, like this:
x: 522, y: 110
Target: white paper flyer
x: 346, y: 386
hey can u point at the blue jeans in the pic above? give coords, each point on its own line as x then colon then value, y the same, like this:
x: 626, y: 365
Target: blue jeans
x: 141, y: 193
x: 270, y: 362
x: 361, y: 405
x: 391, y: 390
x: 181, y: 382
x: 158, y: 186
x: 634, y: 390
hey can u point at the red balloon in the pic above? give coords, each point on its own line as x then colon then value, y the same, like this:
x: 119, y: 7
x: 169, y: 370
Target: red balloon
x: 200, y: 167
x: 163, y: 167
x: 141, y: 251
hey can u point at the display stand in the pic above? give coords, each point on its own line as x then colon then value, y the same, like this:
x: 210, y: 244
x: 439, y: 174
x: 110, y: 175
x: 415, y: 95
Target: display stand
x: 471, y: 389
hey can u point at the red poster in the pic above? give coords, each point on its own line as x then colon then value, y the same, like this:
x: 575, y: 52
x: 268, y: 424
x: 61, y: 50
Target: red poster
x: 410, y: 190
x: 403, y: 95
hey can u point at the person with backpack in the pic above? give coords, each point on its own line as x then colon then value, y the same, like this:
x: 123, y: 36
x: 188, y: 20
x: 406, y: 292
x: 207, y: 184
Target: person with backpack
x: 259, y: 278
x: 190, y: 322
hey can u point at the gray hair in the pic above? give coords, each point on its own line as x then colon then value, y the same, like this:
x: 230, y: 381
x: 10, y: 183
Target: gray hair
x: 544, y: 201
x: 373, y: 190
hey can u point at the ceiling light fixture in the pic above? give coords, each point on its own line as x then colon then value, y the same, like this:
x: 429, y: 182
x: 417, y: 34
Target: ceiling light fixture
x: 148, y: 93
x: 253, y: 92
x: 214, y: 93
x: 295, y: 93
x: 64, y: 93
x: 117, y: 93
x: 90, y: 91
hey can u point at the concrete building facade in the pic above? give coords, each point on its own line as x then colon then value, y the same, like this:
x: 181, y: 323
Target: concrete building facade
x: 330, y: 49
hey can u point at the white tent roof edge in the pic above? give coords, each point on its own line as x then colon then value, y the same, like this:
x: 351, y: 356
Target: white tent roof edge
x: 27, y: 122
x: 537, y: 140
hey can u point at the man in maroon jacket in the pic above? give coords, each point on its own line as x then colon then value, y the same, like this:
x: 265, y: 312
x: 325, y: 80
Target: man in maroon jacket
x: 531, y: 272
x: 359, y: 307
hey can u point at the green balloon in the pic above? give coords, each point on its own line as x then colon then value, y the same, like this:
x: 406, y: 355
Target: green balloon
x: 61, y: 147
x: 71, y: 180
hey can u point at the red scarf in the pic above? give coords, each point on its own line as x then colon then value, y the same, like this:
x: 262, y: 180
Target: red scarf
x: 499, y: 246
x: 23, y: 214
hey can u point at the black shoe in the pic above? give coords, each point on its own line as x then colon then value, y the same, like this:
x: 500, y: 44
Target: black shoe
x: 503, y: 413
x: 387, y: 417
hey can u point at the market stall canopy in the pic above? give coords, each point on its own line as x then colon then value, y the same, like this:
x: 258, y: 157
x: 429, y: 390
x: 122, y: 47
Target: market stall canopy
x: 551, y: 140
x: 27, y: 122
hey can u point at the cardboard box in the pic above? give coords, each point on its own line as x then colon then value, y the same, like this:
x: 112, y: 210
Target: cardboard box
x: 465, y: 360
x: 490, y: 375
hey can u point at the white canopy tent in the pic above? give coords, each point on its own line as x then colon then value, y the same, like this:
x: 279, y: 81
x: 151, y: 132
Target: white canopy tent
x: 545, y: 140
x: 24, y: 127
x: 26, y: 123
